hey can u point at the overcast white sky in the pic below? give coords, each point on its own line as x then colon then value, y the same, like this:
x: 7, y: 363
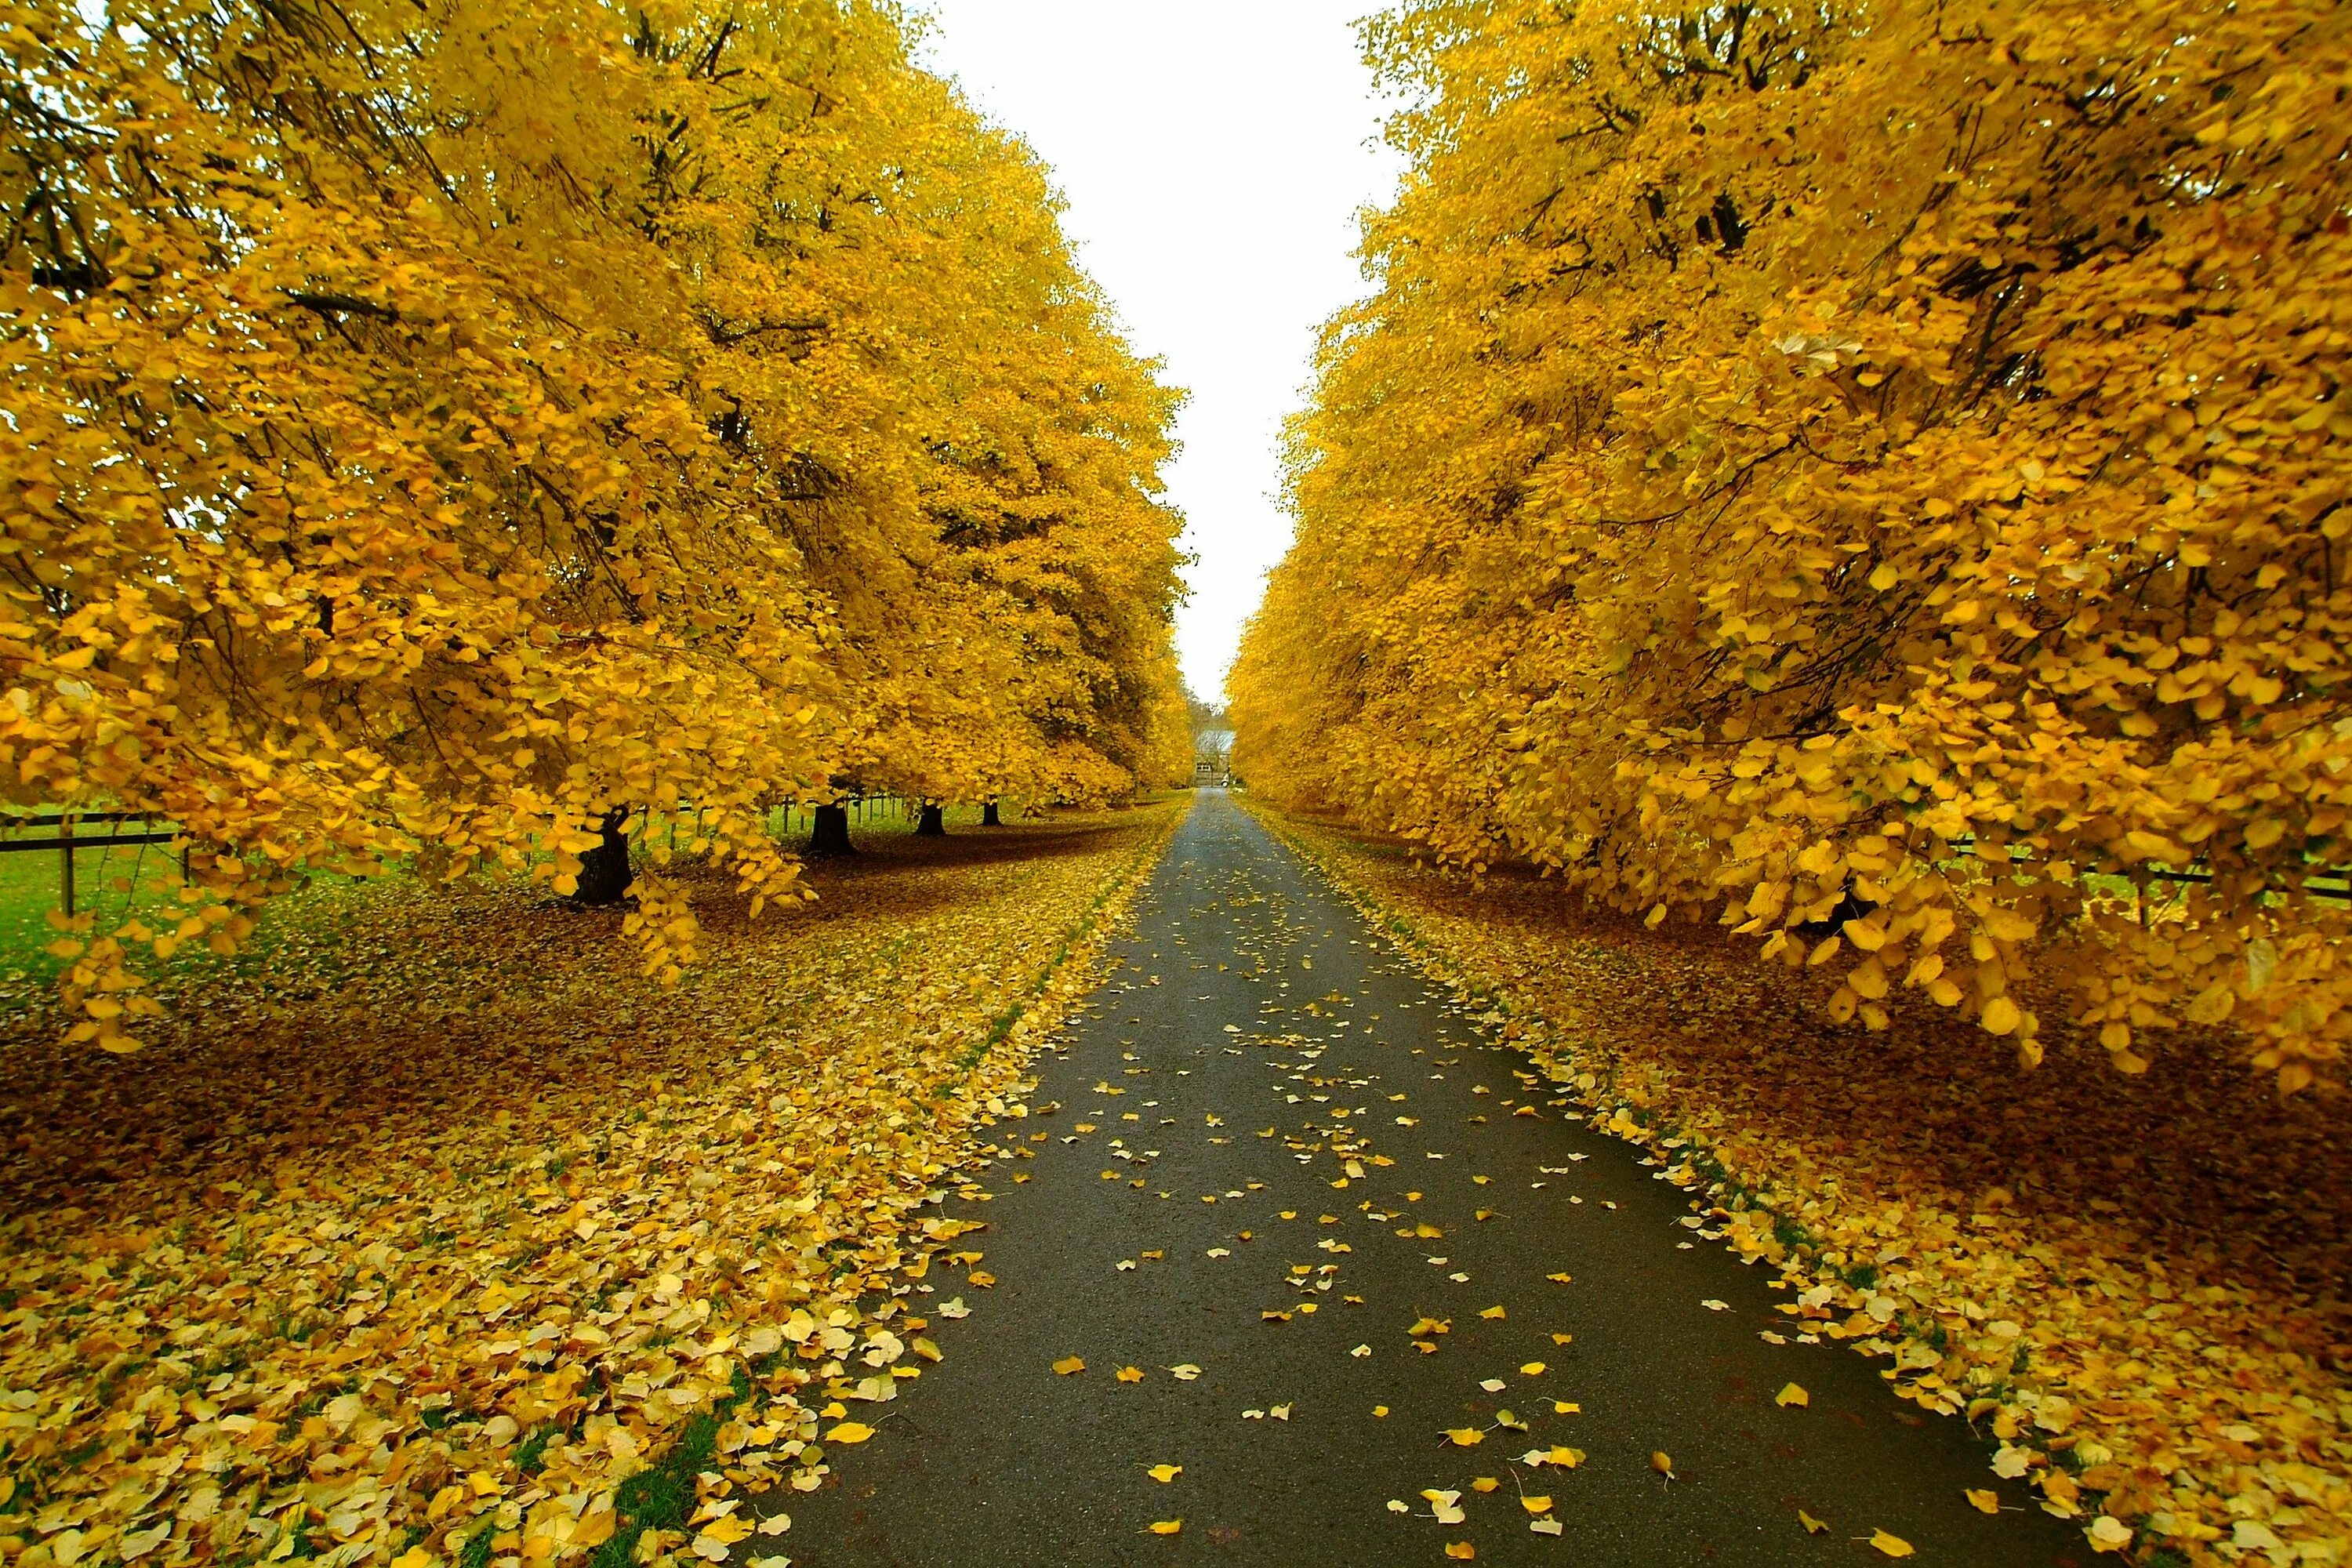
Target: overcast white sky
x: 1214, y: 154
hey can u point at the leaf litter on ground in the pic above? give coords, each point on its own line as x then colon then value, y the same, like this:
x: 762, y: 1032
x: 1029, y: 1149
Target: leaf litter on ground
x: 426, y: 1263
x: 2130, y: 1284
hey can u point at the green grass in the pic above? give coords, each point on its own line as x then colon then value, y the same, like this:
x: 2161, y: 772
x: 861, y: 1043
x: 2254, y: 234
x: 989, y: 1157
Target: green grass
x: 476, y: 1552
x: 103, y: 879
x: 659, y: 1497
x: 113, y: 884
x: 116, y: 883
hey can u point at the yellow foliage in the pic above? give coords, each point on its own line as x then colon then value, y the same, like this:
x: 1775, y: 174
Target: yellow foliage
x: 536, y: 412
x: 1879, y: 468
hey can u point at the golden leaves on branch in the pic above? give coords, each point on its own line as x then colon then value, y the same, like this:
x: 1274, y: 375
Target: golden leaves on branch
x: 377, y: 496
x: 1940, y: 586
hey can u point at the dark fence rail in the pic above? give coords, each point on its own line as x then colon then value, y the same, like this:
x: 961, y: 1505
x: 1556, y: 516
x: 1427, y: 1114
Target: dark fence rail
x: 127, y: 829
x: 67, y: 840
x: 2323, y: 886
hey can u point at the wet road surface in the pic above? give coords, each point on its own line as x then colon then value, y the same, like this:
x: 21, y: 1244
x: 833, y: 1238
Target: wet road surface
x: 1278, y: 1152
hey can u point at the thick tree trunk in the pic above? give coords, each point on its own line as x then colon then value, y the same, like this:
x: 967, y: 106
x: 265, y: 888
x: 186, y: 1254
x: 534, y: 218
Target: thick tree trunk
x: 604, y: 873
x: 933, y: 824
x: 829, y: 831
x: 988, y: 817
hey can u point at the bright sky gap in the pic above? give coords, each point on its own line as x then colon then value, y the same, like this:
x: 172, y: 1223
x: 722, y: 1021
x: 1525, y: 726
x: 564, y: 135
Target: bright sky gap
x: 1214, y: 156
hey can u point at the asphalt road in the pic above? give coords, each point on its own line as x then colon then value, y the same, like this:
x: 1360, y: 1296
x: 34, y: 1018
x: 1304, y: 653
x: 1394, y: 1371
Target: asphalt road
x: 1189, y: 1185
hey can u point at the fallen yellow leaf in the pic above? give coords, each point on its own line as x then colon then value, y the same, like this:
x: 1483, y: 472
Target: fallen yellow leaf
x: 1165, y: 1527
x: 1466, y: 1437
x: 456, y: 1344
x: 1164, y: 1473
x: 1068, y: 1365
x: 1535, y: 1504
x: 1462, y: 1550
x: 1893, y: 1545
x: 1130, y: 1374
x: 1792, y: 1394
x: 1812, y: 1526
x: 1982, y: 1499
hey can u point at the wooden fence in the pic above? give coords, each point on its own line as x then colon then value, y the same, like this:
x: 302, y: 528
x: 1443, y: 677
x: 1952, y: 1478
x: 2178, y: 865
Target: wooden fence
x: 70, y: 834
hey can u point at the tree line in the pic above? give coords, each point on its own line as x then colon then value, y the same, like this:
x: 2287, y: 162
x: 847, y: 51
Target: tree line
x: 1870, y: 475
x: 434, y: 432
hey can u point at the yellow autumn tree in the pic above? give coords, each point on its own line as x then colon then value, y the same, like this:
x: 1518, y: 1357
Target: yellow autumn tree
x: 434, y: 432
x: 1874, y: 473
x: 1041, y: 533
x: 976, y: 449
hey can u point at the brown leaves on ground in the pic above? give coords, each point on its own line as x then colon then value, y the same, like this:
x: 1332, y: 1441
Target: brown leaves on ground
x: 460, y: 1240
x: 2133, y: 1284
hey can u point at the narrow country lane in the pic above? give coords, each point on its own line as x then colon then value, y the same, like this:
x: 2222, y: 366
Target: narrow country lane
x: 1190, y: 1206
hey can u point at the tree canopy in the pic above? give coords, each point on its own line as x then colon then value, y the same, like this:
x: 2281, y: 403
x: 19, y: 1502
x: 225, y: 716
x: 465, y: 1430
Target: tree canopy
x: 1872, y: 473
x: 435, y: 430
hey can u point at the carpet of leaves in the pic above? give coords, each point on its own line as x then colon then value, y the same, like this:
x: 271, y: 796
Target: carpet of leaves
x: 2133, y: 1287
x: 416, y: 1245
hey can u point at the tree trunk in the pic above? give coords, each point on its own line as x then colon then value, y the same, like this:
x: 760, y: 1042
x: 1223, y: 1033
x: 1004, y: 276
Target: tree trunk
x: 933, y: 824
x: 988, y: 817
x: 829, y: 831
x: 604, y: 873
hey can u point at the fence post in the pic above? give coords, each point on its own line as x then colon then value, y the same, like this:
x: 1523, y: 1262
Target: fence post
x: 65, y: 861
